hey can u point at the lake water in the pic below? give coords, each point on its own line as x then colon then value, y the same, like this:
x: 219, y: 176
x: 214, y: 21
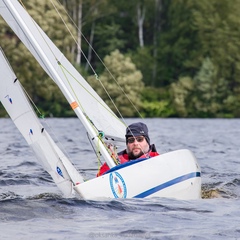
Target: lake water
x: 32, y: 207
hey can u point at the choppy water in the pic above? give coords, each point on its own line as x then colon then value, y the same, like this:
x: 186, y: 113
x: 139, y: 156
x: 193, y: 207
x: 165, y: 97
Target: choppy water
x: 31, y: 206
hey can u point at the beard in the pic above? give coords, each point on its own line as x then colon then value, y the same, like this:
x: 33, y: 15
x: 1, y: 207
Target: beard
x: 133, y: 156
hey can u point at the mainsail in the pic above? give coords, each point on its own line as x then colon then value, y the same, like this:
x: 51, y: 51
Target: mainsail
x: 89, y: 107
x: 20, y: 110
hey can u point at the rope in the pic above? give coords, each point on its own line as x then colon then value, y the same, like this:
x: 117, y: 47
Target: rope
x: 100, y: 138
x: 79, y: 47
x: 64, y: 70
x: 103, y: 105
x: 101, y: 63
x: 96, y: 75
x: 32, y: 102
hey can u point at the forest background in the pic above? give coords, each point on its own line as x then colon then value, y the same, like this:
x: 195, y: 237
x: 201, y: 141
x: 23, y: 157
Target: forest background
x: 176, y: 58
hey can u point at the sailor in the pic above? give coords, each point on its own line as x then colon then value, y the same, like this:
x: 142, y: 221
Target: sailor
x: 137, y: 146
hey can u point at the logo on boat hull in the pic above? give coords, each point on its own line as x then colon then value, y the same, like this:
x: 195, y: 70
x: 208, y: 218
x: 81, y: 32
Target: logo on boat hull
x: 118, y: 185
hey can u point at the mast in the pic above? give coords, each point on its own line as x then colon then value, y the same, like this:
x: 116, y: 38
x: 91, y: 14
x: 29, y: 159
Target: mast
x: 34, y: 47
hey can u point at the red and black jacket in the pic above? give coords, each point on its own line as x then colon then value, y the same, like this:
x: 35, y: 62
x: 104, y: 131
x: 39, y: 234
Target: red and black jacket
x: 123, y: 157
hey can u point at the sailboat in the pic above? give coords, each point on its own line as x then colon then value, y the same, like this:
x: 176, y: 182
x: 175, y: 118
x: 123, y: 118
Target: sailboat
x: 174, y: 174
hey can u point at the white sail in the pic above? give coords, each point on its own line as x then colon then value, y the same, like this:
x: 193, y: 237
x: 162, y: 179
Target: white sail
x: 88, y: 106
x: 20, y: 110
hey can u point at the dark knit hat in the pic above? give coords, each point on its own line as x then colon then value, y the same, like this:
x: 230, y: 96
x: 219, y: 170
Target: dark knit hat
x: 137, y: 129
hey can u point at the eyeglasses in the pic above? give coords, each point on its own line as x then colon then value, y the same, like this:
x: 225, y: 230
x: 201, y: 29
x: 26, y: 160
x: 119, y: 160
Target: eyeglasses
x: 132, y: 139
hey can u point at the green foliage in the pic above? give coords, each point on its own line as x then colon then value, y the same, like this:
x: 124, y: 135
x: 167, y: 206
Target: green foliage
x: 3, y: 112
x: 231, y: 107
x: 124, y: 84
x: 143, y: 60
x: 181, y: 93
x: 191, y: 50
x: 156, y: 103
x: 108, y: 38
x: 200, y: 96
x: 217, y: 22
x: 215, y: 91
x: 157, y: 109
x: 178, y: 42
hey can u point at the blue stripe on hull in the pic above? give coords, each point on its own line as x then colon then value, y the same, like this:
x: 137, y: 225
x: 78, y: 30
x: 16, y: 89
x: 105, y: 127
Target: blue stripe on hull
x: 168, y: 184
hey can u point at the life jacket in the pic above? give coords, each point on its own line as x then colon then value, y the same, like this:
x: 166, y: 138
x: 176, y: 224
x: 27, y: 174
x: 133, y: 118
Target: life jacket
x: 123, y: 158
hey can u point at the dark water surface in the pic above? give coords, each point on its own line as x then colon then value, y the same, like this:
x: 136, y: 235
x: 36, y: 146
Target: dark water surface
x: 31, y: 206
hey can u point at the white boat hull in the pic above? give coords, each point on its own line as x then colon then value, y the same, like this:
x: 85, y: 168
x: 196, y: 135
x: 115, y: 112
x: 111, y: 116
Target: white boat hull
x: 172, y: 175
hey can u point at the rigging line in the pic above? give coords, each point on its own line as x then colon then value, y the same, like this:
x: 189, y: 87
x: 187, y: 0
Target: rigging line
x: 60, y: 159
x: 70, y: 74
x: 115, y: 106
x: 85, y: 58
x: 81, y: 52
x: 64, y: 70
x: 75, y: 40
x: 93, y: 147
x: 46, y: 122
x: 62, y: 147
x: 53, y: 52
x: 64, y: 73
x: 88, y: 61
x: 24, y: 90
x: 61, y: 65
x: 32, y: 102
x: 89, y: 93
x: 49, y: 127
x: 117, y: 85
x: 102, y: 64
x: 98, y: 153
x: 37, y: 109
x: 107, y: 146
x: 30, y: 99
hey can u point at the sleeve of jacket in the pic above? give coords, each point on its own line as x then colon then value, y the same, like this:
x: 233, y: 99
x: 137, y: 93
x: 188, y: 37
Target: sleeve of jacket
x: 103, y: 169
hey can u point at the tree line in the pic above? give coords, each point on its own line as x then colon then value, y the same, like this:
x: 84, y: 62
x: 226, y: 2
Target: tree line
x: 167, y: 58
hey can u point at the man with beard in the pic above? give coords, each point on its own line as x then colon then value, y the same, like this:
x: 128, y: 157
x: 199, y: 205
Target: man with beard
x: 138, y: 146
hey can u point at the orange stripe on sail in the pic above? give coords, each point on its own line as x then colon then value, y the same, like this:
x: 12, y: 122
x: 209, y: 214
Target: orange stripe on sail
x: 74, y: 105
